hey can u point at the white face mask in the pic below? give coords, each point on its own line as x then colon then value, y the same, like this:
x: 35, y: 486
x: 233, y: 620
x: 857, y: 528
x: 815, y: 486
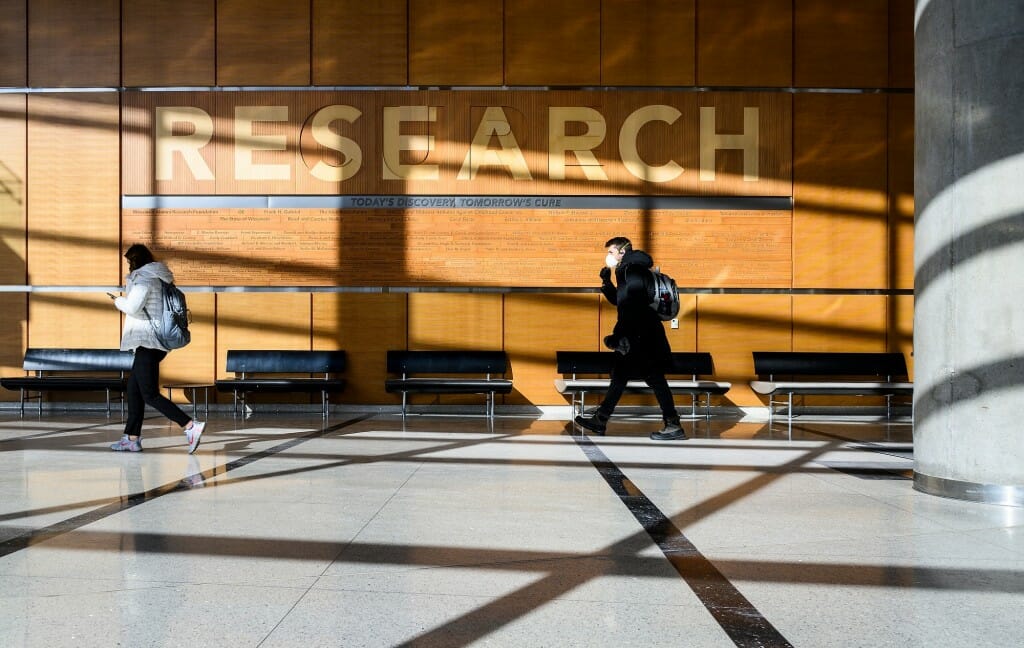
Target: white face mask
x: 611, y: 260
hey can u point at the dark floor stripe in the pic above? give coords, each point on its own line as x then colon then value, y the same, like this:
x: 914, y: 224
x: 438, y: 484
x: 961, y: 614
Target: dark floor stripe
x: 43, y: 534
x: 737, y: 616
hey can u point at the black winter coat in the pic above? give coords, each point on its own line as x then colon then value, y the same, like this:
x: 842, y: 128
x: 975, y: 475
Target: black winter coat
x: 649, y: 350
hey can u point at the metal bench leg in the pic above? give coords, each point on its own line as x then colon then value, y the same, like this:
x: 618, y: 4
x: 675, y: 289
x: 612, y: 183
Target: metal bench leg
x: 108, y: 402
x: 404, y: 397
x: 707, y: 406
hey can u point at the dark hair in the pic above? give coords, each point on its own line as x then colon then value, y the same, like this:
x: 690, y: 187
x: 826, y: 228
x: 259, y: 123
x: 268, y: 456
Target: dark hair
x: 138, y: 255
x: 620, y: 242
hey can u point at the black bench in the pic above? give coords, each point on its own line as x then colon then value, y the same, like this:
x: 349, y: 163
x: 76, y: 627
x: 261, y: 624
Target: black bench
x: 822, y: 373
x: 597, y: 365
x: 279, y: 372
x: 71, y: 370
x: 448, y: 372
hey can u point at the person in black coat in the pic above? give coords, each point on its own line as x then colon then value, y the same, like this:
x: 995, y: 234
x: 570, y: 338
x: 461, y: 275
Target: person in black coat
x: 642, y: 351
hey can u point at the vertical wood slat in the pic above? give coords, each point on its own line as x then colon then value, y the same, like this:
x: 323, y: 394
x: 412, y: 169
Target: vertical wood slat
x: 648, y: 42
x: 535, y: 327
x: 901, y: 190
x: 552, y: 43
x: 360, y: 43
x: 74, y: 43
x: 13, y: 43
x: 839, y: 191
x: 901, y: 43
x: 263, y: 42
x: 365, y: 327
x: 730, y: 327
x: 168, y: 44
x: 13, y: 134
x: 263, y: 321
x: 839, y: 323
x: 841, y: 45
x: 743, y: 43
x: 456, y: 43
x: 73, y: 187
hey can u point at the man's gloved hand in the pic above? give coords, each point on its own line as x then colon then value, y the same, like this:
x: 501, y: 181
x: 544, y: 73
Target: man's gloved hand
x: 606, y: 274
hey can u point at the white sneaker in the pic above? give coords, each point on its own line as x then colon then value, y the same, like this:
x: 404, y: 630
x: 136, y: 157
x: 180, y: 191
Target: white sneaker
x: 193, y: 434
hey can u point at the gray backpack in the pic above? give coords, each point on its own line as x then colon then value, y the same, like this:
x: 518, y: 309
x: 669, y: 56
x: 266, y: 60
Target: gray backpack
x: 172, y: 327
x: 664, y: 296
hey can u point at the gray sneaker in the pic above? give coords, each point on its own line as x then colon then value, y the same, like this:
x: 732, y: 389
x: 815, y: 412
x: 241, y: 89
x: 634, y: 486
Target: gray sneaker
x: 193, y: 434
x: 127, y: 445
x: 669, y: 432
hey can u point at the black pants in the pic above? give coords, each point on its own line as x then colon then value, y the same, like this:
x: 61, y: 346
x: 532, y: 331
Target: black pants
x: 655, y: 381
x: 144, y: 389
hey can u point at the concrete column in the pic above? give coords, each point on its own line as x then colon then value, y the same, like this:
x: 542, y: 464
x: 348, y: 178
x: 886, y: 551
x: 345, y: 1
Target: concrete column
x: 969, y: 250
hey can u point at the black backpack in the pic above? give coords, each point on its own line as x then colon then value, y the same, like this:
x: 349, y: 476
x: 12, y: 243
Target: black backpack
x: 664, y: 296
x: 172, y: 330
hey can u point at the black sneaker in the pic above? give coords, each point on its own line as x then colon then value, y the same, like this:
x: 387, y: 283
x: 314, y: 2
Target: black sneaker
x: 597, y: 423
x: 670, y: 432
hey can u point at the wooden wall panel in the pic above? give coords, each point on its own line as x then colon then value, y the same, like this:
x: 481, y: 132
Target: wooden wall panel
x: 12, y: 188
x: 263, y: 42
x: 13, y: 336
x: 841, y: 45
x: 13, y: 43
x: 360, y: 43
x: 366, y: 327
x: 552, y: 43
x: 262, y: 321
x: 648, y: 42
x: 901, y: 328
x: 73, y: 320
x: 743, y: 43
x: 456, y: 43
x: 847, y: 323
x: 74, y: 43
x: 439, y: 321
x: 168, y: 43
x: 194, y: 363
x: 901, y: 190
x: 73, y: 189
x: 839, y: 191
x: 730, y: 327
x: 538, y: 325
x: 901, y: 43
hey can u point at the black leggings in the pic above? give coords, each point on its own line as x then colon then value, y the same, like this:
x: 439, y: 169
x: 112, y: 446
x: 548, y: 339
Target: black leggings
x: 144, y: 389
x: 655, y: 381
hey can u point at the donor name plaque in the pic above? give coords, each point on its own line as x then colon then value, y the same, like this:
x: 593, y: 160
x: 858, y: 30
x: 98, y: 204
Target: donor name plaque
x: 497, y: 247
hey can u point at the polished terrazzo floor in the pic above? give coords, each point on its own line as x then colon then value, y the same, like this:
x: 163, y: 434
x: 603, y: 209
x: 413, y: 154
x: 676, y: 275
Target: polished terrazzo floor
x: 283, y: 530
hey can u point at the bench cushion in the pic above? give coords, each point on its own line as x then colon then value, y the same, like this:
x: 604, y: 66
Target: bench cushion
x: 280, y: 385
x: 63, y: 383
x: 448, y: 385
x: 799, y: 363
x: 600, y: 362
x: 285, y: 361
x: 447, y: 362
x: 40, y: 359
x: 823, y: 388
x: 570, y: 385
